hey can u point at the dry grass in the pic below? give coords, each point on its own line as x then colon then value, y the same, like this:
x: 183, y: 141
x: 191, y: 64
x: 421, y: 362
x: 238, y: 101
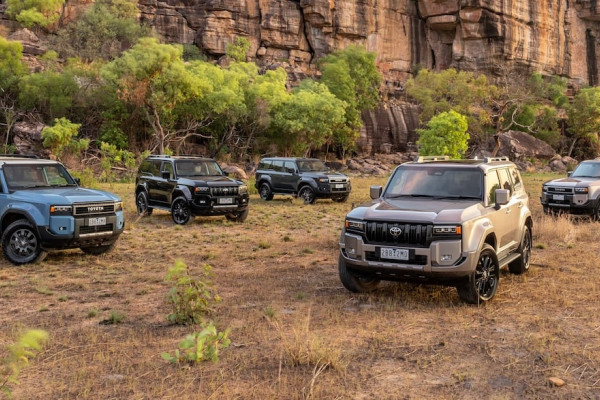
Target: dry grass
x: 296, y: 332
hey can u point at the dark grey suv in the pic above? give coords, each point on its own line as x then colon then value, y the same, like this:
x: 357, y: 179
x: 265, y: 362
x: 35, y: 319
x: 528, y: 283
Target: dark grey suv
x: 188, y: 186
x: 307, y: 178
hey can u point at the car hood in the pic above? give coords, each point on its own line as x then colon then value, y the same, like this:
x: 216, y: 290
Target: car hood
x: 422, y: 211
x: 571, y: 182
x: 323, y: 174
x: 58, y: 196
x: 210, y: 181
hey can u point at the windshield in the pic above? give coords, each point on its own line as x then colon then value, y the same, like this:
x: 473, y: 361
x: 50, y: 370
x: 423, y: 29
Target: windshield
x: 587, y: 170
x: 454, y: 183
x: 32, y: 176
x: 312, y: 166
x: 198, y: 168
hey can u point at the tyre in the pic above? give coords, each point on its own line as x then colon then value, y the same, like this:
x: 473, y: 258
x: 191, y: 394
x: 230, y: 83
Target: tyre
x: 97, y: 250
x: 483, y: 282
x: 265, y: 191
x: 341, y: 199
x: 596, y: 214
x: 141, y: 203
x: 238, y: 217
x: 307, y: 194
x: 180, y: 211
x: 354, y: 282
x: 21, y: 244
x: 522, y: 264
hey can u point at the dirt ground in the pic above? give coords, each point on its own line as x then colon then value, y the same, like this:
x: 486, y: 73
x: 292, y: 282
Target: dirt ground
x: 295, y: 332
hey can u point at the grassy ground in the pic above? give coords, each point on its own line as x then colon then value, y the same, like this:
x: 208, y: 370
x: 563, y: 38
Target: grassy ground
x: 296, y: 332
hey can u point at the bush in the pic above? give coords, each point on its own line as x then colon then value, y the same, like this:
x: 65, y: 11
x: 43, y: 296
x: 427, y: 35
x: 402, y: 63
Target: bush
x: 200, y: 346
x: 446, y: 134
x: 19, y: 354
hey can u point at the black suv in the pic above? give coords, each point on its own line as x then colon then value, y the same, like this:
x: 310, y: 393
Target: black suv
x: 307, y: 178
x: 188, y: 186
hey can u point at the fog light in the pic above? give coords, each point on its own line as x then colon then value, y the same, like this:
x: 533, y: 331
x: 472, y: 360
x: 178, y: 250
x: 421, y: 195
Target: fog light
x: 446, y: 257
x: 351, y: 251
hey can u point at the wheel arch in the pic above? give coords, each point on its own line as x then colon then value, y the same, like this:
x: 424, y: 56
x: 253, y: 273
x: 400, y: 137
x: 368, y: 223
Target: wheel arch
x: 15, y: 215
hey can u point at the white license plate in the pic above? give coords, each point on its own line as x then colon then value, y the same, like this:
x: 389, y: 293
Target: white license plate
x: 560, y: 197
x: 226, y: 200
x: 339, y: 186
x: 392, y: 253
x: 96, y: 221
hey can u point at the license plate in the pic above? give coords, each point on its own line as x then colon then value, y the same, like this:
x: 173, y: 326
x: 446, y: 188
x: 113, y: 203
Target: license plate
x: 560, y: 197
x: 339, y: 186
x: 226, y: 200
x: 96, y: 221
x: 392, y: 253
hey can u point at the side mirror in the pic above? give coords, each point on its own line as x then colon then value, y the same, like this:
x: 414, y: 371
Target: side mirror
x: 166, y: 175
x: 502, y: 197
x: 569, y: 173
x: 375, y: 192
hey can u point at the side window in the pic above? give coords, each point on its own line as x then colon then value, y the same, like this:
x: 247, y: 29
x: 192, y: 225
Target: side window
x: 278, y: 165
x: 491, y: 183
x: 290, y: 167
x: 146, y: 167
x: 155, y: 170
x: 265, y: 164
x: 167, y: 166
x: 516, y: 177
x: 505, y: 181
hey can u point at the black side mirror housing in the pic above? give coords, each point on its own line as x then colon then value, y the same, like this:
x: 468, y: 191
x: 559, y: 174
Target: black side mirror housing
x: 166, y: 175
x: 78, y: 181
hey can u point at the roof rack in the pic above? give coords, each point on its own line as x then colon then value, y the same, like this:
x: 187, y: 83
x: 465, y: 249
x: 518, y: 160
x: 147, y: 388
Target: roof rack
x: 19, y: 155
x: 492, y: 159
x: 432, y: 158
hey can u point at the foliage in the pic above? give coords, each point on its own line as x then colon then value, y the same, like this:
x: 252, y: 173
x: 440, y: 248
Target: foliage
x: 106, y: 29
x: 446, y: 134
x: 200, y: 346
x: 49, y: 92
x: 11, y: 66
x: 19, y: 354
x: 113, y: 157
x: 191, y: 299
x: 34, y: 12
x: 238, y: 49
x: 191, y: 52
x: 584, y: 117
x: 61, y: 137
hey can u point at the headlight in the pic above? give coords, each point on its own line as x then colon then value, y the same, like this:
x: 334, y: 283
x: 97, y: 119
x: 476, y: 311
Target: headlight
x: 202, y: 189
x: 61, y: 210
x: 582, y: 190
x: 323, y: 180
x: 119, y: 206
x: 353, y: 225
x: 243, y: 189
x: 447, y: 230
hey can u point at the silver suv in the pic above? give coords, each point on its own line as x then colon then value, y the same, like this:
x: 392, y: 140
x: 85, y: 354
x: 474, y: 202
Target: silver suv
x: 579, y: 193
x: 455, y: 222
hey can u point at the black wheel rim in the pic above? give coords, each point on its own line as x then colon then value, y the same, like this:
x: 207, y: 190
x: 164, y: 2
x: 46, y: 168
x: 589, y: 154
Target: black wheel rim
x: 23, y: 243
x: 141, y: 204
x: 526, y: 249
x: 307, y: 195
x: 486, y: 276
x: 264, y: 192
x: 180, y: 212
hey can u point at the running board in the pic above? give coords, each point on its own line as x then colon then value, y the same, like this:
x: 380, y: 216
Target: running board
x: 508, y: 259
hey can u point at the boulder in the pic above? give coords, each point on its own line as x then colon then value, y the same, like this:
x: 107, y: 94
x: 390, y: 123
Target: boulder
x: 557, y: 165
x: 518, y: 146
x: 27, y: 138
x: 237, y: 172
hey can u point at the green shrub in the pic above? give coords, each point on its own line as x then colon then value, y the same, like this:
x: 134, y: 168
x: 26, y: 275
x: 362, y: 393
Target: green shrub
x: 200, y: 346
x: 19, y: 354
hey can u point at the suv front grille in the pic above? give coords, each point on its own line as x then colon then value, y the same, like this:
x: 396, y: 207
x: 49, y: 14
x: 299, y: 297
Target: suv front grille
x: 224, y: 190
x: 413, y: 234
x: 93, y: 208
x: 559, y: 190
x: 88, y: 230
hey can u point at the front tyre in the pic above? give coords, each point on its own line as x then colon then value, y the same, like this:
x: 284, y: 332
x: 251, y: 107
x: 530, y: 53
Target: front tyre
x: 238, y: 217
x: 180, y: 211
x: 483, y: 282
x: 265, y: 191
x: 521, y: 265
x: 21, y: 244
x: 307, y: 194
x: 354, y: 282
x: 141, y: 204
x: 97, y: 250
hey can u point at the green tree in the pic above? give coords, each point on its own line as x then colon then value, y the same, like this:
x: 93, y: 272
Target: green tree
x: 49, y: 93
x: 238, y: 50
x: 446, y: 134
x: 12, y: 70
x: 584, y: 118
x: 61, y: 137
x: 35, y: 12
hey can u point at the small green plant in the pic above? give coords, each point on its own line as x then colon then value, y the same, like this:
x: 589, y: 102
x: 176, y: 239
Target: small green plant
x: 264, y: 245
x: 19, y: 354
x: 191, y: 299
x: 270, y: 312
x: 541, y: 246
x: 114, y: 317
x: 200, y: 346
x: 286, y: 238
x: 92, y: 313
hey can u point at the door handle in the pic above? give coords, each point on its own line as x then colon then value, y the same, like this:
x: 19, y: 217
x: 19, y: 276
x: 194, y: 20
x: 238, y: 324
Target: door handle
x: 508, y: 210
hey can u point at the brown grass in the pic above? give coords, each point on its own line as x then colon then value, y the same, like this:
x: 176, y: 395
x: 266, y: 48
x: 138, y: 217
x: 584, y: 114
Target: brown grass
x: 296, y: 332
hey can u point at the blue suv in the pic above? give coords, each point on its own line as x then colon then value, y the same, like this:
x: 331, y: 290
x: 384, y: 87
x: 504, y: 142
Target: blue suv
x: 42, y: 207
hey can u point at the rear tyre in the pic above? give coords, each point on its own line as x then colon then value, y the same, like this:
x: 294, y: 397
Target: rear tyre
x: 238, y: 217
x: 141, y: 204
x: 97, y: 250
x: 521, y: 265
x: 483, y: 282
x: 307, y: 194
x: 180, y: 211
x: 21, y: 244
x: 354, y: 282
x: 265, y: 191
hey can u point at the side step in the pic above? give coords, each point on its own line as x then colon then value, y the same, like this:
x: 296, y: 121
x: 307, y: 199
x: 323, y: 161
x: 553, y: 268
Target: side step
x: 508, y: 259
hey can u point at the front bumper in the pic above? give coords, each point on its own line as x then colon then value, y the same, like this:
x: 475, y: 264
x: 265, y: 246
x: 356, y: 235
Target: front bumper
x: 333, y: 189
x: 211, y: 205
x: 442, y: 260
x: 571, y: 203
x: 66, y: 232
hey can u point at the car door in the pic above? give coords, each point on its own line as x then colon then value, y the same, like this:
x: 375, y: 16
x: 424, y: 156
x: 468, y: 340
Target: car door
x: 153, y: 182
x: 502, y: 217
x: 166, y: 185
x: 277, y: 176
x: 513, y: 209
x: 289, y: 177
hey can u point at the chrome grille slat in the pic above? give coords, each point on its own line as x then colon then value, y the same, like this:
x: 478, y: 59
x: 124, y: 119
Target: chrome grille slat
x: 80, y: 209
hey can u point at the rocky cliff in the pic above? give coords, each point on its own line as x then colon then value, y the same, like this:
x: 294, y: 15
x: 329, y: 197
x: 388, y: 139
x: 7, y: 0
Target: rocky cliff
x: 559, y: 37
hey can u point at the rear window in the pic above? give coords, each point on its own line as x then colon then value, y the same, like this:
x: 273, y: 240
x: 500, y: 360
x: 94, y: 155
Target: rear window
x: 264, y: 164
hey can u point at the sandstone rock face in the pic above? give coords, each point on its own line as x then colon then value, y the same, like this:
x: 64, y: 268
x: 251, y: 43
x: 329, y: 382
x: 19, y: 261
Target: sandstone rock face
x: 517, y: 146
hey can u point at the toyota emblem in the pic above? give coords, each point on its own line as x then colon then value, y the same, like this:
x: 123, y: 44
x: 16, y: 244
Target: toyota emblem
x: 395, y: 231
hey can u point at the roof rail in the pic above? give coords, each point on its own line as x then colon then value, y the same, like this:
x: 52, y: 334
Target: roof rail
x: 432, y: 158
x: 19, y: 155
x: 492, y: 159
x: 159, y: 156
